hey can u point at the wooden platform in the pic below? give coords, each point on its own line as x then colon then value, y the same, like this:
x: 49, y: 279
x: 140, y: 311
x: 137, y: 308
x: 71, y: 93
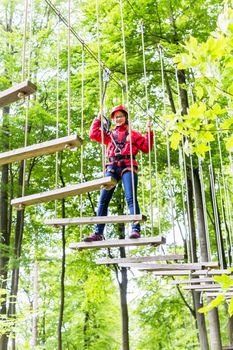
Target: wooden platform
x: 16, y: 92
x: 167, y: 267
x: 188, y: 273
x: 40, y: 149
x: 137, y: 259
x: 96, y: 220
x: 116, y: 243
x: 71, y: 190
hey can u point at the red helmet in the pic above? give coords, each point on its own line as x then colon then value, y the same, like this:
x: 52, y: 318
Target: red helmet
x: 118, y: 108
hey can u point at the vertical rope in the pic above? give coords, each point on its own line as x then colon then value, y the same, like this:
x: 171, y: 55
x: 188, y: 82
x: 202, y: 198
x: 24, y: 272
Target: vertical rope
x: 204, y: 208
x: 149, y: 131
x: 100, y: 86
x: 182, y: 181
x: 168, y: 152
x: 157, y: 183
x: 57, y: 107
x: 127, y: 102
x: 27, y: 100
x: 226, y: 193
x: 216, y: 219
x: 68, y: 70
x: 82, y: 128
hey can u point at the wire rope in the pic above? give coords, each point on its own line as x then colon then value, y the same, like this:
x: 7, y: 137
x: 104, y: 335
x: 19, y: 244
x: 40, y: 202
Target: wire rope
x: 128, y: 107
x: 157, y: 182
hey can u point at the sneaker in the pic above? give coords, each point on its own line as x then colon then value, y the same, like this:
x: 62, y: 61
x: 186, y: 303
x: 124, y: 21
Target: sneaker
x: 93, y: 238
x: 135, y: 235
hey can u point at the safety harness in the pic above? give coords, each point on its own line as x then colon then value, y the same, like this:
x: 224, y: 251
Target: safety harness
x: 119, y: 145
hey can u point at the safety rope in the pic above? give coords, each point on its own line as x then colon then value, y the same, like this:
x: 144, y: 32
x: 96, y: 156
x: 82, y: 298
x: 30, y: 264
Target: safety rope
x: 128, y: 107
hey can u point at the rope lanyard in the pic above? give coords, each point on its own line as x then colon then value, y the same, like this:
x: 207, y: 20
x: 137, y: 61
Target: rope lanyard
x: 69, y: 65
x: 149, y: 131
x: 127, y: 103
x: 168, y: 150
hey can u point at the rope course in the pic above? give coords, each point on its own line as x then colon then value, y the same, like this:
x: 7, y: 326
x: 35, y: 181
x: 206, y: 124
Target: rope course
x: 79, y: 189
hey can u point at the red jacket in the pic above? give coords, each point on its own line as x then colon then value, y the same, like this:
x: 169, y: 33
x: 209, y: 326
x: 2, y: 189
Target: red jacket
x: 139, y: 142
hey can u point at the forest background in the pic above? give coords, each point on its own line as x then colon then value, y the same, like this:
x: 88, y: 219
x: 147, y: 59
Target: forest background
x: 50, y: 296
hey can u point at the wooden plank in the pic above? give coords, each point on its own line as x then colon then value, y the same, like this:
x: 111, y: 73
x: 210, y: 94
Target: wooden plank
x: 115, y: 243
x: 169, y: 273
x: 160, y: 267
x: 203, y: 287
x: 71, y: 190
x: 40, y: 149
x: 139, y: 259
x: 211, y: 272
x: 215, y: 294
x: 192, y: 280
x: 96, y: 220
x: 227, y: 347
x: 16, y: 92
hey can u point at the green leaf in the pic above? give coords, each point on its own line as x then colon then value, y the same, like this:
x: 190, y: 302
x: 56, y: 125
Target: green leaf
x: 175, y: 140
x: 214, y: 303
x: 230, y: 309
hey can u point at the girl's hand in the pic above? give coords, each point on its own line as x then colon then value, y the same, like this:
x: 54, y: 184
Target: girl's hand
x: 149, y: 125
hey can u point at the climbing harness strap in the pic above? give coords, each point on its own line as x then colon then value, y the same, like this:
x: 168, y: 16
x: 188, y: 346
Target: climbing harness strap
x: 119, y: 144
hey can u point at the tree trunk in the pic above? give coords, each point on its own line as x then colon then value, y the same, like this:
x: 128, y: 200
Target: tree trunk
x: 214, y: 326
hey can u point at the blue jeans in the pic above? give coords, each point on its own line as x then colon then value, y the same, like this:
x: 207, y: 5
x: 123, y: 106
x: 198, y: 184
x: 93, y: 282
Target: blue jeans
x: 106, y: 196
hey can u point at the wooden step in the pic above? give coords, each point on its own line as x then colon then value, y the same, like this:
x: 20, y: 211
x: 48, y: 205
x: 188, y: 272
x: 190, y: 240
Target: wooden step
x: 16, y: 92
x: 203, y: 287
x: 59, y: 193
x: 215, y: 294
x: 211, y: 272
x: 96, y: 220
x: 40, y: 149
x: 138, y: 259
x: 115, y: 243
x: 167, y: 267
x: 192, y: 280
